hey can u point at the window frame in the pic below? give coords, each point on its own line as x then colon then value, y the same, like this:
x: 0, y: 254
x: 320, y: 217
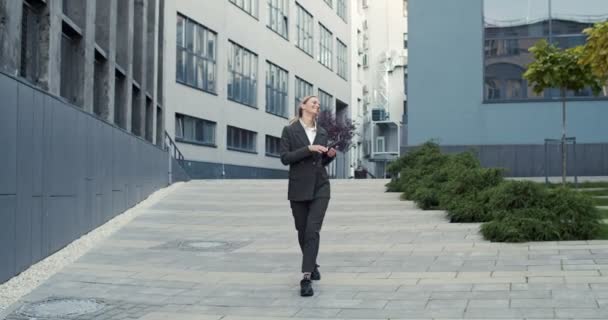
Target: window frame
x: 550, y: 36
x: 282, y: 81
x: 181, y: 127
x: 195, y: 56
x: 308, y: 30
x: 235, y: 133
x: 247, y: 80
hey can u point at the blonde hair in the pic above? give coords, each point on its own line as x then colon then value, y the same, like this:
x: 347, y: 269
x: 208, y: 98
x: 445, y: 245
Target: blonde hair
x: 299, y: 115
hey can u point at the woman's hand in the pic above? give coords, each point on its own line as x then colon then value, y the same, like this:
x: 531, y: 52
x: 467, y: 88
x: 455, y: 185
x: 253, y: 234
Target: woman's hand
x: 317, y: 148
x: 331, y: 153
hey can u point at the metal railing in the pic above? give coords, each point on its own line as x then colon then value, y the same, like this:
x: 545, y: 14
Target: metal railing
x: 172, y: 148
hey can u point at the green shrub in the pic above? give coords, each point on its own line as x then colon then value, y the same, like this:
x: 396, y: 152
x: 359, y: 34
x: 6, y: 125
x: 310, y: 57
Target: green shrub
x: 440, y: 172
x: 426, y: 198
x: 408, y: 159
x: 470, y: 208
x: 575, y: 214
x: 467, y: 194
x: 511, y: 195
x: 559, y: 214
x: 471, y: 181
x: 394, y: 185
x: 408, y: 167
x: 530, y: 224
x: 422, y: 172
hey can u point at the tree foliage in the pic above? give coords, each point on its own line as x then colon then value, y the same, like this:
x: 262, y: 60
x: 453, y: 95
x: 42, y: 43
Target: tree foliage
x: 595, y: 51
x: 556, y: 68
x: 342, y: 130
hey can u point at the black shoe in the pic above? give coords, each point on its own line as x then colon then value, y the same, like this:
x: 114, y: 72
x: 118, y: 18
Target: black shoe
x: 306, y: 288
x: 315, y: 275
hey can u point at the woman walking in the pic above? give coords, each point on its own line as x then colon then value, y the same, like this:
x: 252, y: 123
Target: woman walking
x: 303, y: 148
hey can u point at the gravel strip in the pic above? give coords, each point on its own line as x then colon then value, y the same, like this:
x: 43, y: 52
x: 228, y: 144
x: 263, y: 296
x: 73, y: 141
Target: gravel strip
x: 22, y: 284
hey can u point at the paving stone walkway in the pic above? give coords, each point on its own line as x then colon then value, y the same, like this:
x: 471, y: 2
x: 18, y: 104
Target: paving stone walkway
x: 228, y: 250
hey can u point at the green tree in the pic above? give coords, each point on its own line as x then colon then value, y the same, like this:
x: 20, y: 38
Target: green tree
x: 595, y: 52
x: 557, y: 68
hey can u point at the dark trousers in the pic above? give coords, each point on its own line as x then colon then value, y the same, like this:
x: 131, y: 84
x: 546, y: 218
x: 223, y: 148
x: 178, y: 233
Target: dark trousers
x: 308, y: 217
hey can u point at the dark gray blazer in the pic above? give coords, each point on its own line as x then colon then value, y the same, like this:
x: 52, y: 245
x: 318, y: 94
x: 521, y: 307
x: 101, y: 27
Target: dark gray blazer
x: 307, y: 174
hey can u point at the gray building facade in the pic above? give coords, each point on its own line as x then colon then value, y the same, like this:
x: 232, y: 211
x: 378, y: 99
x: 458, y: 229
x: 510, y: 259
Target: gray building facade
x: 236, y: 72
x: 81, y: 120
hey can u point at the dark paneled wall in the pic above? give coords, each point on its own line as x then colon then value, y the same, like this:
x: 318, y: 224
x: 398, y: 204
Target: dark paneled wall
x: 63, y: 172
x: 529, y: 160
x: 210, y: 170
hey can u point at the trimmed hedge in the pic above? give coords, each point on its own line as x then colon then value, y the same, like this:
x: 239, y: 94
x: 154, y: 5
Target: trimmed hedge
x: 512, y: 211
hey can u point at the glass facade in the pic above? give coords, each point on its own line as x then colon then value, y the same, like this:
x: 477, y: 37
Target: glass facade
x: 512, y: 27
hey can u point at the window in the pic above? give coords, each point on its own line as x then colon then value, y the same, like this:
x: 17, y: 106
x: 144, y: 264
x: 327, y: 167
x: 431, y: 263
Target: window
x: 405, y: 41
x: 30, y: 35
x: 100, y: 82
x: 342, y: 9
x: 242, y: 75
x: 380, y: 145
x: 276, y: 90
x: 159, y: 126
x: 326, y: 101
x: 194, y: 130
x: 273, y: 145
x: 74, y: 10
x: 278, y: 17
x: 342, y: 56
x: 303, y: 89
x: 136, y: 101
x: 72, y: 62
x: 249, y: 6
x: 304, y: 26
x: 120, y: 100
x: 241, y: 140
x: 136, y: 47
x: 325, y: 46
x: 196, y: 55
x: 330, y: 3
x: 405, y: 81
x: 122, y: 33
x: 512, y: 28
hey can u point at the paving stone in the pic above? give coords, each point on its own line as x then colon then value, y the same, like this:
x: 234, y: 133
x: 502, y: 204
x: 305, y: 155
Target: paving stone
x: 380, y: 257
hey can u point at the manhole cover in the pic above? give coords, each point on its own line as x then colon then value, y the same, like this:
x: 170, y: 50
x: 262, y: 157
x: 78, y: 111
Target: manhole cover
x: 202, y: 245
x: 61, y: 308
x: 206, y: 244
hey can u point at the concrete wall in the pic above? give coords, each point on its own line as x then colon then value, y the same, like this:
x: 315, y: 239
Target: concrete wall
x: 446, y: 87
x: 232, y: 23
x: 63, y: 172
